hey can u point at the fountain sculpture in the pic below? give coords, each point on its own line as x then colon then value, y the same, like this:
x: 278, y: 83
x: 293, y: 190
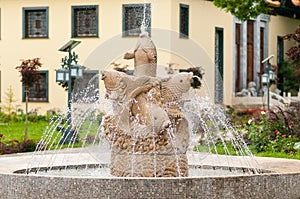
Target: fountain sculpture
x: 147, y: 138
x: 148, y: 131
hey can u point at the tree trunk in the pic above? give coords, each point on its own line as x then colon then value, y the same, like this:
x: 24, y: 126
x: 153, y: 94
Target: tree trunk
x: 26, y: 116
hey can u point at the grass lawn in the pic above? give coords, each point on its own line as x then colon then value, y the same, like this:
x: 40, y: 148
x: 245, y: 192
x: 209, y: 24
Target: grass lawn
x: 15, y: 130
x: 278, y: 155
x: 220, y: 150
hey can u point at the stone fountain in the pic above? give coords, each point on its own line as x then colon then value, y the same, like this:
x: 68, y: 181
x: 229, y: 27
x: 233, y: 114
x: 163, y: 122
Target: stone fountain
x: 148, y: 131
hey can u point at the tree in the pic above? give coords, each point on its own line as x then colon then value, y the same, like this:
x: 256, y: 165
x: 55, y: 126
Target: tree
x: 293, y: 53
x: 290, y: 69
x: 29, y: 76
x: 10, y: 100
x: 243, y: 9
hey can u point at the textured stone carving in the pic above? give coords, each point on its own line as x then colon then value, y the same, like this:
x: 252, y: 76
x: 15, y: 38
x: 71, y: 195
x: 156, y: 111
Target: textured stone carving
x: 147, y: 130
x: 145, y: 56
x: 172, y: 89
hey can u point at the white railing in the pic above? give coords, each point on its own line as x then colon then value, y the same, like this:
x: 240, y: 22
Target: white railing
x: 261, y: 102
x: 292, y: 98
x: 278, y: 100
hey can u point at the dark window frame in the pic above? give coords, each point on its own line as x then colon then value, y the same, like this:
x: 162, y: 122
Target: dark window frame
x: 135, y: 32
x: 280, y: 60
x: 26, y: 10
x: 46, y: 73
x: 184, y: 20
x: 250, y: 51
x: 280, y: 50
x: 219, y: 64
x: 238, y: 57
x: 75, y: 9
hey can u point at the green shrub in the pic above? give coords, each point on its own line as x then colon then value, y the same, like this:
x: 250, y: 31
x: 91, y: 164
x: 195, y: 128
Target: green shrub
x: 4, y: 118
x: 275, y: 132
x: 259, y: 133
x: 32, y: 117
x: 15, y: 146
x: 282, y: 143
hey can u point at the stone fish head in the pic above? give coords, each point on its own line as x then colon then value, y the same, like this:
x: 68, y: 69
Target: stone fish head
x: 114, y: 84
x: 181, y: 81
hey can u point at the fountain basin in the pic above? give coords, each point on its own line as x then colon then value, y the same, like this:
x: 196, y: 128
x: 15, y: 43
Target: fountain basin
x: 282, y: 182
x: 103, y: 171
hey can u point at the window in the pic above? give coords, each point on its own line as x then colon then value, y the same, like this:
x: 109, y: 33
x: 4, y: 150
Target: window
x: 280, y: 50
x: 39, y: 91
x: 35, y: 22
x: 133, y: 17
x: 84, y: 21
x: 184, y: 21
x: 280, y: 59
x: 238, y: 49
x: 219, y: 64
x: 250, y: 51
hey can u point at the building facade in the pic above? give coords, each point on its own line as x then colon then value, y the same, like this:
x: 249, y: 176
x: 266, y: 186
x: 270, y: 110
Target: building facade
x: 187, y: 33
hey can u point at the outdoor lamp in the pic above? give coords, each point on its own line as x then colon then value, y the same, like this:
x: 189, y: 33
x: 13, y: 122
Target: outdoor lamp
x: 62, y: 75
x: 72, y: 71
x: 76, y: 71
x: 67, y: 76
x: 271, y: 75
x: 265, y: 78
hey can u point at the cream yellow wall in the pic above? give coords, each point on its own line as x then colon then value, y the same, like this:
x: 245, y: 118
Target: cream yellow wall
x: 280, y: 26
x: 204, y: 18
x: 13, y: 47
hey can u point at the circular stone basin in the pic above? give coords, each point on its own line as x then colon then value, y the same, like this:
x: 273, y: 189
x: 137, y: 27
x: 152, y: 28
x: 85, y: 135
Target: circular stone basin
x: 103, y: 171
x: 283, y: 182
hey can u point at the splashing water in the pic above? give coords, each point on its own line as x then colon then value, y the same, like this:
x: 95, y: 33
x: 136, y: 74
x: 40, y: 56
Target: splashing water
x: 82, y: 143
x: 144, y: 26
x: 209, y: 129
x: 217, y: 130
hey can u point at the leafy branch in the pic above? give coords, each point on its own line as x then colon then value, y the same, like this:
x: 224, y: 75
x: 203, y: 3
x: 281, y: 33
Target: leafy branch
x: 243, y: 9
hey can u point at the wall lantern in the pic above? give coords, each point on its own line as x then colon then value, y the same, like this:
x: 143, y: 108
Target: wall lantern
x: 65, y: 75
x: 271, y: 75
x: 265, y: 78
x: 76, y: 71
x: 62, y: 75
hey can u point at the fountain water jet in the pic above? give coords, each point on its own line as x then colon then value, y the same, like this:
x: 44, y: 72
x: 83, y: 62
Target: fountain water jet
x: 203, y: 123
x: 152, y: 130
x: 207, y: 125
x: 146, y: 121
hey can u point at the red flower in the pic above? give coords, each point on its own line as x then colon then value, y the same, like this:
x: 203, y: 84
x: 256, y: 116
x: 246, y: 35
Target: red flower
x: 284, y: 135
x: 277, y: 132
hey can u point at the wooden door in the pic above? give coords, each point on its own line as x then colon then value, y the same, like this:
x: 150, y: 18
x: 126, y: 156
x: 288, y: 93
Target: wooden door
x: 250, y: 51
x: 238, y: 85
